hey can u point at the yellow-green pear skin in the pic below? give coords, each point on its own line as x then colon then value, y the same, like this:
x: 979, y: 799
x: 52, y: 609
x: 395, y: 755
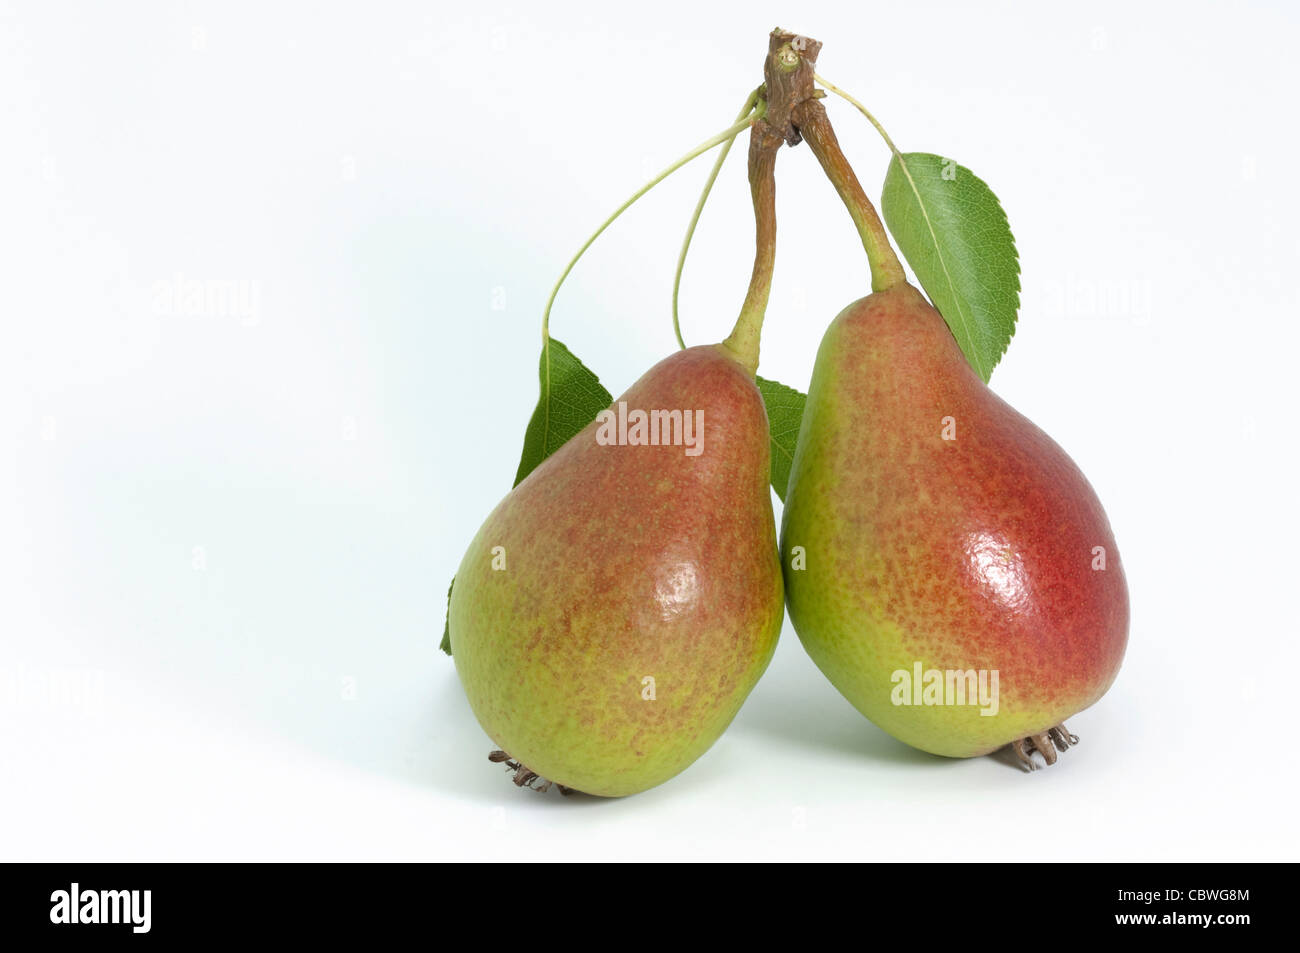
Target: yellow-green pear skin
x: 930, y: 528
x: 617, y: 607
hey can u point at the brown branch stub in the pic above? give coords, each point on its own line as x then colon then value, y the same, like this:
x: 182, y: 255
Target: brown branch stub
x: 788, y: 74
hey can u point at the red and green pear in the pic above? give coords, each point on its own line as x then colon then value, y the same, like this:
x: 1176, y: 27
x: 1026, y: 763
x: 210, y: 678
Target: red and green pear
x: 617, y: 607
x: 930, y: 528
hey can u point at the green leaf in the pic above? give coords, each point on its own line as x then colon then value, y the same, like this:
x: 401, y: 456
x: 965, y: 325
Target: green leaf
x: 953, y: 232
x: 445, y: 645
x: 571, y: 398
x: 784, y: 415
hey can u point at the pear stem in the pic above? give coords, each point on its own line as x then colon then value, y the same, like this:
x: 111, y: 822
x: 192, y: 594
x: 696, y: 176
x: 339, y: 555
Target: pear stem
x: 862, y: 109
x: 788, y: 74
x: 746, y: 112
x: 725, y: 136
x: 744, y: 338
x: 811, y: 120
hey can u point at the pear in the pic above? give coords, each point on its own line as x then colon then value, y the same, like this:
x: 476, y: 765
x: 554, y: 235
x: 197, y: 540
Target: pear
x: 948, y: 567
x: 617, y: 607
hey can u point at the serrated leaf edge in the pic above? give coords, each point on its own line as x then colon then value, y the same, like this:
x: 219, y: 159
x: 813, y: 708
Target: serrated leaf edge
x: 929, y: 225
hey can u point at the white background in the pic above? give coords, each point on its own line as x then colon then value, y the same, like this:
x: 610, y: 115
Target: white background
x: 232, y: 534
